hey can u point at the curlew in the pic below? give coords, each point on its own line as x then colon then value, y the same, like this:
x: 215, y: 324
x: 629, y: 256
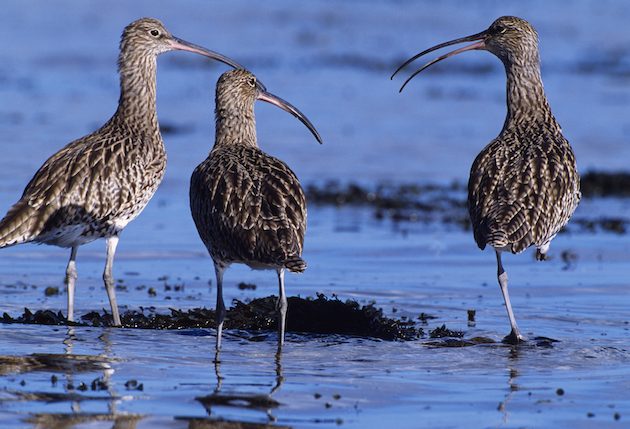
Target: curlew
x: 524, y: 186
x: 248, y: 207
x: 94, y: 186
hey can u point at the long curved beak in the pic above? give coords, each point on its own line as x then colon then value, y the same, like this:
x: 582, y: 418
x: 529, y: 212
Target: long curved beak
x: 183, y: 45
x: 480, y: 44
x: 264, y: 95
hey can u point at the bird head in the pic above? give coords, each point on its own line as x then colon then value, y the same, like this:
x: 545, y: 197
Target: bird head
x: 149, y: 37
x: 240, y: 87
x: 513, y: 40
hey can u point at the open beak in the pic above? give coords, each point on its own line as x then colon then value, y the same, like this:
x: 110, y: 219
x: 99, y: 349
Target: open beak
x: 480, y: 44
x: 183, y: 45
x: 264, y: 95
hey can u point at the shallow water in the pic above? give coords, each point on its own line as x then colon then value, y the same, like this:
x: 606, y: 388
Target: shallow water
x: 58, y: 81
x: 426, y: 270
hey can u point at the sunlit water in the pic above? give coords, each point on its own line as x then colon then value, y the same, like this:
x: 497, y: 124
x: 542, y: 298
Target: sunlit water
x: 332, y: 60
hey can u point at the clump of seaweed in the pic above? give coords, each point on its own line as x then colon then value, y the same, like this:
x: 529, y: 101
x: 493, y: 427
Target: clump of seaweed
x: 320, y: 315
x: 443, y: 331
x: 605, y: 184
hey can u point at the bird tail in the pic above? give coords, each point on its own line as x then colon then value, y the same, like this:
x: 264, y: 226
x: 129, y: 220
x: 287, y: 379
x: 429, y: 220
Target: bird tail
x: 295, y: 264
x: 17, y: 226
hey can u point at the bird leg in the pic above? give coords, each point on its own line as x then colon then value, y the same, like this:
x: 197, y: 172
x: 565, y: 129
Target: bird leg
x: 71, y: 277
x: 541, y: 252
x: 515, y: 335
x: 220, y: 309
x: 112, y: 242
x: 281, y: 307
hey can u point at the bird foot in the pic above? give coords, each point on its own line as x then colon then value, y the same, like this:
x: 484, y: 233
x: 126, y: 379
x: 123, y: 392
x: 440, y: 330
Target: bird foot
x: 514, y: 338
x: 540, y: 256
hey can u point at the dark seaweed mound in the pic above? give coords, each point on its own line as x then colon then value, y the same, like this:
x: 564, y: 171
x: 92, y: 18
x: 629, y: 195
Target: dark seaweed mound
x: 600, y: 184
x: 319, y: 315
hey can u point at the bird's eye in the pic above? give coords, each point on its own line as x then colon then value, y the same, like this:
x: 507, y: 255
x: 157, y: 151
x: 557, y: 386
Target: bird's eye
x: 155, y: 33
x: 500, y: 29
x: 252, y: 82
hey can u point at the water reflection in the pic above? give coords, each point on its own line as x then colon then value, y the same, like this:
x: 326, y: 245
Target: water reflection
x: 72, y: 368
x: 217, y: 370
x: 514, y: 355
x: 512, y: 389
x: 279, y: 376
x: 69, y: 421
x: 69, y: 376
x: 246, y: 400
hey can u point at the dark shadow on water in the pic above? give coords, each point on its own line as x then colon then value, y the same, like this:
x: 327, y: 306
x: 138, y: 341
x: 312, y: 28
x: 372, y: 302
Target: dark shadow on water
x: 67, y: 421
x: 197, y: 423
x: 52, y: 362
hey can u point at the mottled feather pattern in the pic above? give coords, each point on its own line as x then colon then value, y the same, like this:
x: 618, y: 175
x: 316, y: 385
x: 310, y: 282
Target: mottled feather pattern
x: 249, y: 207
x: 523, y: 187
x: 101, y: 182
x: 97, y: 184
x: 93, y: 187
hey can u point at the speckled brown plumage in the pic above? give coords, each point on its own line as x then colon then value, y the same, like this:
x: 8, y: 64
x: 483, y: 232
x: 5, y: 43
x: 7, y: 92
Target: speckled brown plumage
x: 96, y: 185
x: 248, y: 207
x: 523, y: 186
x: 90, y: 189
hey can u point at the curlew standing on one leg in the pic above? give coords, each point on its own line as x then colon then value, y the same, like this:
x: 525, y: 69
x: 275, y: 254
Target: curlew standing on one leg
x: 248, y: 207
x: 96, y: 185
x: 524, y: 186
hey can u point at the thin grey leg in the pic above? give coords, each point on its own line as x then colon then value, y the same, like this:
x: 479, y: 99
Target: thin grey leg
x: 281, y: 306
x: 112, y: 242
x: 515, y: 335
x: 220, y: 309
x: 71, y: 277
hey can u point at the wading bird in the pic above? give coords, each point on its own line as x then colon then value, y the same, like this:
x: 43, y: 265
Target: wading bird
x: 248, y: 207
x: 96, y: 185
x: 524, y: 186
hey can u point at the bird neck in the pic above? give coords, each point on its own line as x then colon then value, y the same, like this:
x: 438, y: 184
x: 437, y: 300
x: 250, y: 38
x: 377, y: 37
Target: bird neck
x: 136, y: 105
x: 235, y: 123
x: 526, y: 100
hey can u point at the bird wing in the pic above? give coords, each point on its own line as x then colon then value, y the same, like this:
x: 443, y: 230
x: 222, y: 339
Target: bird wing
x: 101, y: 176
x: 522, y: 190
x: 248, y: 207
